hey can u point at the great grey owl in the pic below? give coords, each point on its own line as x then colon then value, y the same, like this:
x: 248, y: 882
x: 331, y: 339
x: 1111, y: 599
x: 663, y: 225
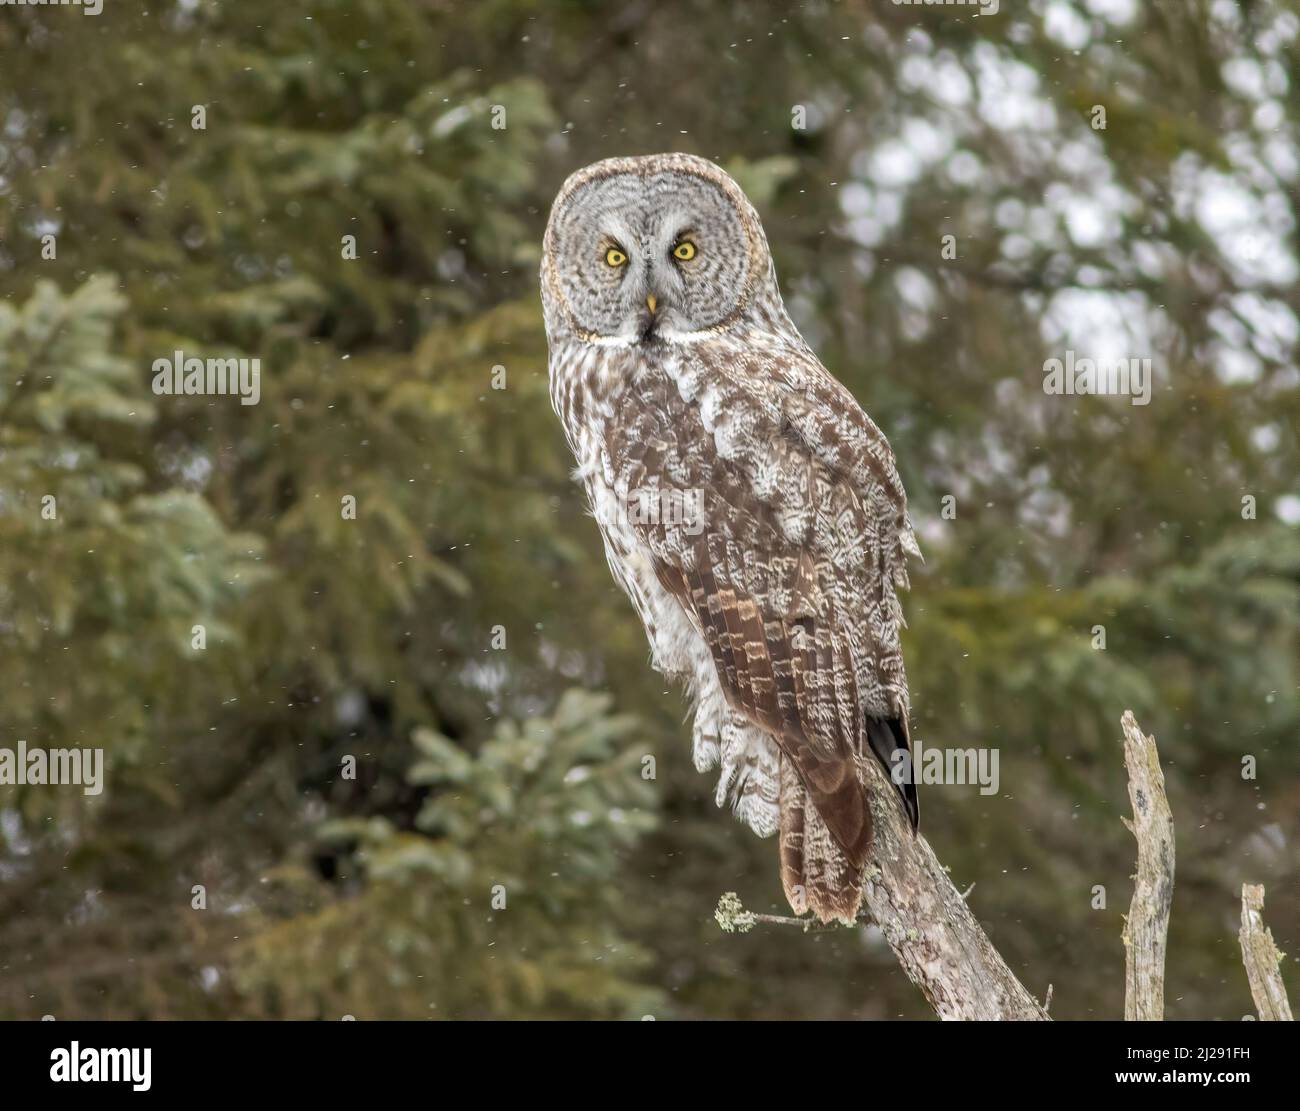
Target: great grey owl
x: 750, y: 509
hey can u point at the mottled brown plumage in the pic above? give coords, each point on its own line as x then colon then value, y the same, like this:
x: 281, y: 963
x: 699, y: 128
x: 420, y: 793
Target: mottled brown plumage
x: 775, y: 598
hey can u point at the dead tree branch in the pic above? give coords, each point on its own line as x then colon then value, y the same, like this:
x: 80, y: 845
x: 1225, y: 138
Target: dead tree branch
x: 930, y: 927
x: 1147, y: 925
x: 1262, y: 958
x: 924, y: 919
x: 943, y: 950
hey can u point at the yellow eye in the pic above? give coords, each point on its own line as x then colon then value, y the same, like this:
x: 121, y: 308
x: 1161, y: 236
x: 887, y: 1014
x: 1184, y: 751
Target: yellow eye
x: 615, y: 257
x: 685, y: 250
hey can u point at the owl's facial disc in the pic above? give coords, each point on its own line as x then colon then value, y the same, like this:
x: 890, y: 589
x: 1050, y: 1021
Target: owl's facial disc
x: 642, y: 257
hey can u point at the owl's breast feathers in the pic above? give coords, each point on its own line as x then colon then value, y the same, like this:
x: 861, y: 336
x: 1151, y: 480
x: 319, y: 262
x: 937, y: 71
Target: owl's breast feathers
x: 769, y: 506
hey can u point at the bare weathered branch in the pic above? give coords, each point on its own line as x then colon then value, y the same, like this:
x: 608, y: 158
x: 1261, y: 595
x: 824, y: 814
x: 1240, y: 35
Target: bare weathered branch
x: 1262, y: 958
x: 1147, y: 925
x: 924, y: 919
x: 929, y: 925
x: 947, y: 955
x: 734, y: 918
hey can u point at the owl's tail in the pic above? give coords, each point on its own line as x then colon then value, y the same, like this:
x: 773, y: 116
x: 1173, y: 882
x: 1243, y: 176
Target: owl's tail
x: 816, y: 873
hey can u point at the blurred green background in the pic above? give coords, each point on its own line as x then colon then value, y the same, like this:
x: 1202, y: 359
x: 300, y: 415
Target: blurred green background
x: 461, y: 641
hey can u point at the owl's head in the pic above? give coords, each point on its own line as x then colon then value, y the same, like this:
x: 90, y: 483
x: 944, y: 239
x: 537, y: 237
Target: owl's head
x: 656, y: 248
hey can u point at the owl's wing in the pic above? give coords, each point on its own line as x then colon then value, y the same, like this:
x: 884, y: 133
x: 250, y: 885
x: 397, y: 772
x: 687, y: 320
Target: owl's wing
x: 780, y: 566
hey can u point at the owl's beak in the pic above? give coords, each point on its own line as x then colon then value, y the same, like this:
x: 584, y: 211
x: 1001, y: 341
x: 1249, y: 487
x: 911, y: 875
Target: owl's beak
x: 648, y: 321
